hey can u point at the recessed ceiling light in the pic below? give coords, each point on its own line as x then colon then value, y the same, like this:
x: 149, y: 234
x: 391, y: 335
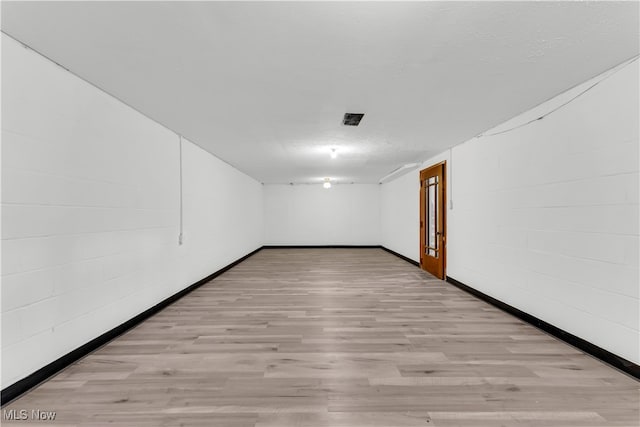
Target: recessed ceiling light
x: 334, y: 153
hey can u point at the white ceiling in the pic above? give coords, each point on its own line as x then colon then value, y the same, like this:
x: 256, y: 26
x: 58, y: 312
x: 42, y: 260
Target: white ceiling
x: 264, y: 85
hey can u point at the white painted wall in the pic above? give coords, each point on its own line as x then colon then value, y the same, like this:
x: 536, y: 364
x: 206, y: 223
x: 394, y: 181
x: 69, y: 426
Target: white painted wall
x: 399, y: 215
x: 222, y: 214
x: 345, y: 214
x: 90, y: 212
x: 545, y: 217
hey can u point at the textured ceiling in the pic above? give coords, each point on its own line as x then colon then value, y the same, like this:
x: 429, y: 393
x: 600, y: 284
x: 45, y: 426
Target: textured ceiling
x: 265, y: 85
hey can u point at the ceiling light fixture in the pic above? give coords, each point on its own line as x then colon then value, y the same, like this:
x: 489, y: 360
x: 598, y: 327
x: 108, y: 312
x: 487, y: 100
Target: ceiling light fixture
x: 334, y: 153
x: 327, y: 183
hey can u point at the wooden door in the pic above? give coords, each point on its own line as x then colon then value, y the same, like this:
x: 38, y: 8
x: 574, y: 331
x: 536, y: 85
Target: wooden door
x: 433, y: 220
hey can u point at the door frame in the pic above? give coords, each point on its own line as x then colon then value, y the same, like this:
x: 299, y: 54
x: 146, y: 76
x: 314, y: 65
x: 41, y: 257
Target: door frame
x: 441, y: 215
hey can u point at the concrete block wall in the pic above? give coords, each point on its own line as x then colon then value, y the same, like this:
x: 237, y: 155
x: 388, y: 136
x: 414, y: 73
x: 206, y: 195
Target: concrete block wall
x: 545, y: 216
x: 90, y: 212
x: 345, y: 214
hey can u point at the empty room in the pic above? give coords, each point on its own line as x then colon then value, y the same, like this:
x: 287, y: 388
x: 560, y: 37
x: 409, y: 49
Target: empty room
x: 320, y: 214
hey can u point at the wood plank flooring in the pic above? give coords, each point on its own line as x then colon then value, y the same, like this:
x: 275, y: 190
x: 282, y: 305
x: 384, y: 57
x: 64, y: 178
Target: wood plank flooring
x: 334, y: 337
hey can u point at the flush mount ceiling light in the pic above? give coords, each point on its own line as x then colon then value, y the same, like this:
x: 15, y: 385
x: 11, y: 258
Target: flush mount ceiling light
x: 352, y: 119
x: 327, y: 183
x: 334, y: 153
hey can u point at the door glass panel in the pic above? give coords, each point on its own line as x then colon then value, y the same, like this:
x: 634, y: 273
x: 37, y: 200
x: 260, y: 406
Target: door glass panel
x: 426, y: 229
x: 432, y: 218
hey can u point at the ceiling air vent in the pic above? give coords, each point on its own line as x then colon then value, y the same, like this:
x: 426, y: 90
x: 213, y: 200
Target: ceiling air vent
x: 352, y: 119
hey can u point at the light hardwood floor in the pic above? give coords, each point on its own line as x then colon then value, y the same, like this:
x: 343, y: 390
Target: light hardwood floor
x: 335, y: 337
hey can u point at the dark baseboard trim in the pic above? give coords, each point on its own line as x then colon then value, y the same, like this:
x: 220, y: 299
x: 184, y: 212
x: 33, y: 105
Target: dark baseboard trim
x: 15, y: 390
x: 409, y: 260
x: 606, y: 356
x: 321, y: 247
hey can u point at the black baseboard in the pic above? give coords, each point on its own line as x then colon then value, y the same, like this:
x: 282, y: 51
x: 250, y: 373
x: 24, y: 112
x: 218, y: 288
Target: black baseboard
x: 606, y: 356
x: 321, y: 247
x: 409, y: 260
x: 22, y: 386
